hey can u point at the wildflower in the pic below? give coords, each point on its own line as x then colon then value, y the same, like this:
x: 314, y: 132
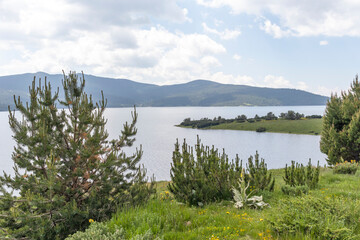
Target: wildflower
x: 227, y: 212
x: 91, y: 220
x: 261, y: 219
x: 260, y: 234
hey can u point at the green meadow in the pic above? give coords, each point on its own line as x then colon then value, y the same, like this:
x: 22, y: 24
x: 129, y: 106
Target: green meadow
x: 331, y: 211
x: 303, y: 126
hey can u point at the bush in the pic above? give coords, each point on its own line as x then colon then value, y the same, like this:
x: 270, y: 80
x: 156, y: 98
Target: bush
x: 295, y: 191
x: 102, y: 231
x: 318, y: 218
x: 298, y: 175
x: 98, y: 231
x: 261, y: 129
x: 258, y: 175
x: 346, y: 168
x: 208, y: 176
x: 340, y: 134
x: 66, y: 170
x: 203, y: 177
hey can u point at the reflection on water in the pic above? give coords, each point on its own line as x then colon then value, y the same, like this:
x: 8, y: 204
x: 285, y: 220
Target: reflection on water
x: 157, y: 135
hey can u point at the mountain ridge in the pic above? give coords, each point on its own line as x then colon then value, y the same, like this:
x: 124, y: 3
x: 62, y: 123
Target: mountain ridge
x: 122, y: 92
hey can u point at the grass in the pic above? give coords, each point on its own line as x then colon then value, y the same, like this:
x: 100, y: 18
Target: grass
x: 332, y: 211
x: 303, y: 126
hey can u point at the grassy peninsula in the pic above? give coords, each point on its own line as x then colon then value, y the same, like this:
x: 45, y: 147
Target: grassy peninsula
x: 302, y: 126
x: 290, y: 122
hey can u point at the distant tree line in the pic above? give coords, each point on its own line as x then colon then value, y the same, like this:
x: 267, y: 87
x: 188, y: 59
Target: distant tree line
x: 207, y: 122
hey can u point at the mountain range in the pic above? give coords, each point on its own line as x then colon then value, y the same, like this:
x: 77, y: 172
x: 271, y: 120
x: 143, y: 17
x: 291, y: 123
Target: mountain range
x: 126, y: 93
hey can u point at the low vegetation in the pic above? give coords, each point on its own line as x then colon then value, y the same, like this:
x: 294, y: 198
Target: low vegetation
x: 203, y: 176
x: 330, y: 211
x: 298, y: 175
x: 346, y: 167
x: 290, y: 122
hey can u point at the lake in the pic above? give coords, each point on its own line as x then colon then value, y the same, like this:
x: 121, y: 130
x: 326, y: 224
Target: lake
x: 157, y: 135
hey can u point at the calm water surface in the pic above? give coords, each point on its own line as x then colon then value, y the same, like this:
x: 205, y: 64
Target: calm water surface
x: 157, y: 135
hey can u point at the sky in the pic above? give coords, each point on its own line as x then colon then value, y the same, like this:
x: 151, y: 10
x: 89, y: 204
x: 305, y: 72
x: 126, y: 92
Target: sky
x: 309, y: 45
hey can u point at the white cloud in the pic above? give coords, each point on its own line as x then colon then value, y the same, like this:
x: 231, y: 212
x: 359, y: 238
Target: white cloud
x: 229, y: 78
x: 280, y: 82
x: 23, y: 20
x: 185, y: 12
x: 107, y: 38
x: 326, y: 91
x: 158, y: 55
x: 237, y: 57
x: 276, y: 82
x: 323, y: 43
x: 300, y: 18
x: 210, y: 62
x: 218, y: 22
x: 274, y: 29
x: 226, y: 34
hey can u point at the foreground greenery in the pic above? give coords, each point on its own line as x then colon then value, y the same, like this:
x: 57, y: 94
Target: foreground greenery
x: 340, y: 136
x: 201, y: 175
x: 331, y: 211
x: 303, y: 126
x: 66, y: 170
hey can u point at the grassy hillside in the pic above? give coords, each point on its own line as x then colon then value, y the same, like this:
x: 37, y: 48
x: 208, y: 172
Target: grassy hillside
x: 304, y: 126
x: 332, y: 211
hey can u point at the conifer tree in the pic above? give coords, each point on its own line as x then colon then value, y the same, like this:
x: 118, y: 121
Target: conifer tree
x: 202, y: 175
x: 340, y: 136
x: 66, y: 169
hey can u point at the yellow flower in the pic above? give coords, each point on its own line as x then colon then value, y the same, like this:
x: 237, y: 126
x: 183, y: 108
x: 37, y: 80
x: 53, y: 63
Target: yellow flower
x: 261, y: 219
x: 91, y: 220
x: 260, y: 234
x: 227, y: 212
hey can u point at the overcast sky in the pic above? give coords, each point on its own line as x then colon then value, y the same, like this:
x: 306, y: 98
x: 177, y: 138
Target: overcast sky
x: 307, y: 44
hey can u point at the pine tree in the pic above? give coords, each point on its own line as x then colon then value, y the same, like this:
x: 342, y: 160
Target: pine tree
x: 66, y: 169
x: 202, y: 175
x: 258, y: 175
x: 340, y: 137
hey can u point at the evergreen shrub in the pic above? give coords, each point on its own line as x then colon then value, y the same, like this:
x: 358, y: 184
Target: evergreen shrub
x: 98, y: 231
x: 261, y: 129
x: 298, y: 175
x: 202, y: 175
x: 258, y: 175
x: 66, y: 171
x: 340, y: 134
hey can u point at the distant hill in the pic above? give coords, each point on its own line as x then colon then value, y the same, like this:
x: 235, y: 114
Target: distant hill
x: 125, y: 93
